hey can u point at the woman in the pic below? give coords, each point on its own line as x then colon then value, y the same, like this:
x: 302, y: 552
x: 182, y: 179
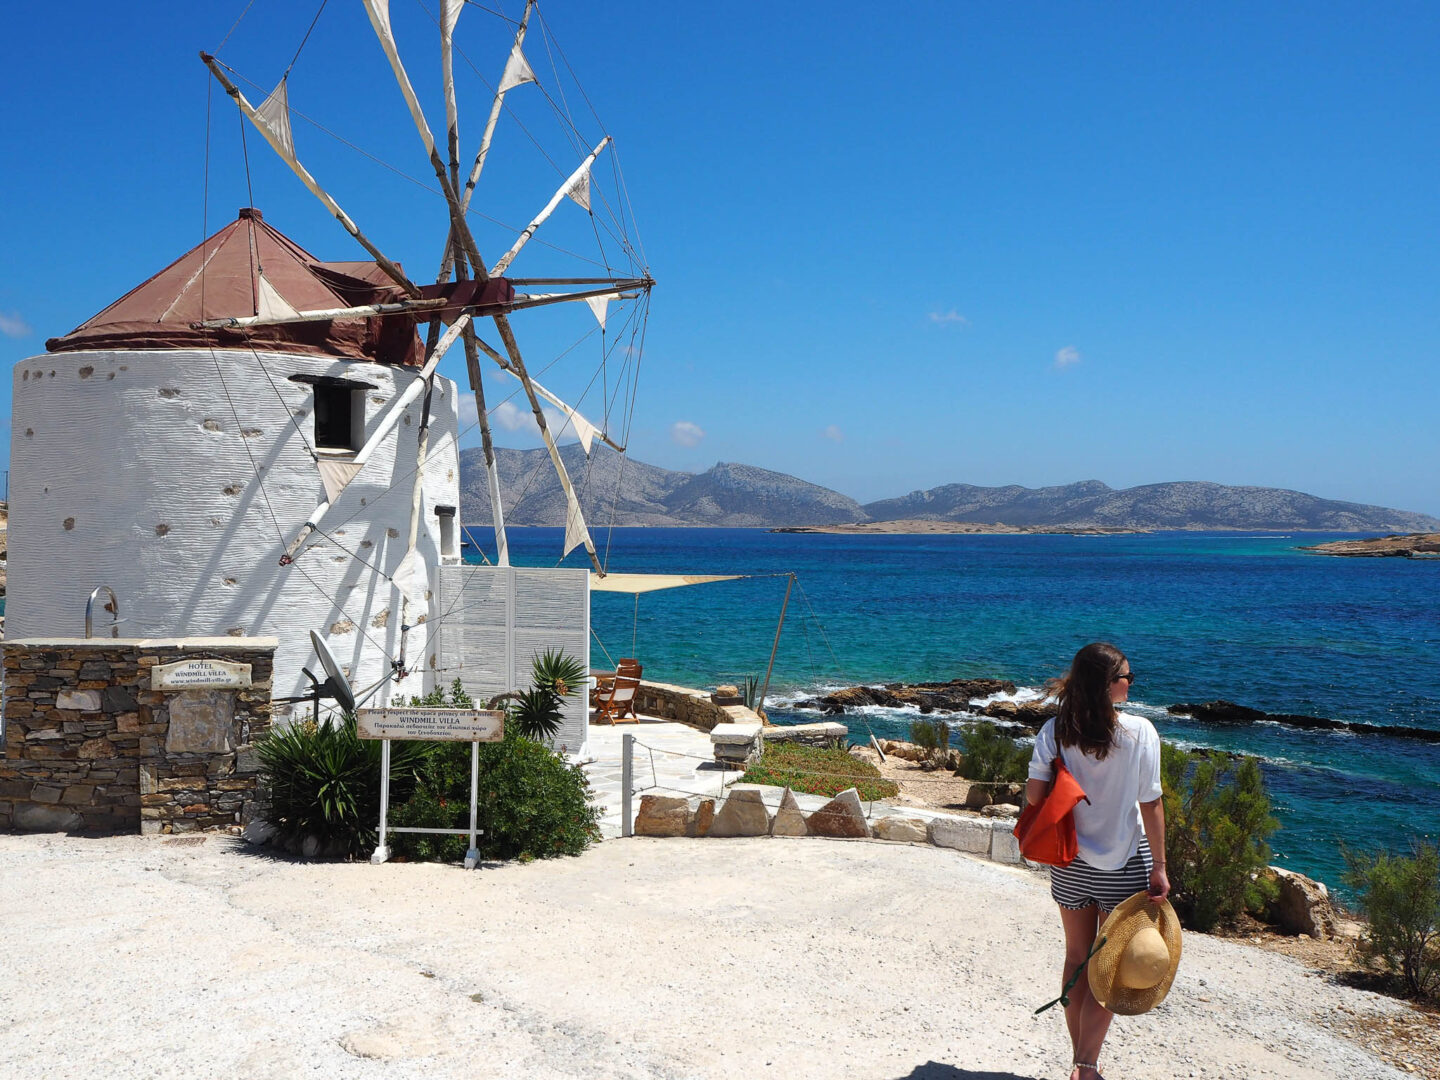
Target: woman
x: 1115, y: 757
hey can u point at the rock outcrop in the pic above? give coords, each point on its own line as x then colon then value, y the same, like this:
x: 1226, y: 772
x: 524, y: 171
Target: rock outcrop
x: 952, y: 696
x: 1228, y: 712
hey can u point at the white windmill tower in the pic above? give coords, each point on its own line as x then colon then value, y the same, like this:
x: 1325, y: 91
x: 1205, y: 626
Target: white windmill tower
x: 256, y: 441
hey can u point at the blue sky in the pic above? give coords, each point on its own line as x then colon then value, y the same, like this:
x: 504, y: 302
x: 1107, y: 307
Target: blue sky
x: 896, y: 246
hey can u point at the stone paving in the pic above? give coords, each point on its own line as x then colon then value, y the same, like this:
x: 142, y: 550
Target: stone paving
x: 678, y: 760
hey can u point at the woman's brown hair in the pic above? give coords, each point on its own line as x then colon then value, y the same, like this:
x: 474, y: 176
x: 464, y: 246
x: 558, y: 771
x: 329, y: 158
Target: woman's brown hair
x: 1087, y: 716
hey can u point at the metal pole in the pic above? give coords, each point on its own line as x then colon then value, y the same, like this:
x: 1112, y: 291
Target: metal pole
x: 472, y: 857
x: 382, y: 853
x: 627, y: 774
x: 760, y: 705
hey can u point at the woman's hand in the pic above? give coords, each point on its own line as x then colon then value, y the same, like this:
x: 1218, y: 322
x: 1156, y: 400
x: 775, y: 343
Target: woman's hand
x: 1159, y: 885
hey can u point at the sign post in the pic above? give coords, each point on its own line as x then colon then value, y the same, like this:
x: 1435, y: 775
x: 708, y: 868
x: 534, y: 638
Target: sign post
x: 430, y: 725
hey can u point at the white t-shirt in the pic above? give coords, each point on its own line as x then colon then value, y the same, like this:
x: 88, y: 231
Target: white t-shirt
x: 1109, y: 825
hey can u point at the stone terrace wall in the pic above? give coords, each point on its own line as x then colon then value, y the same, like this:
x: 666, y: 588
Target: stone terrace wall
x: 686, y: 706
x: 90, y: 747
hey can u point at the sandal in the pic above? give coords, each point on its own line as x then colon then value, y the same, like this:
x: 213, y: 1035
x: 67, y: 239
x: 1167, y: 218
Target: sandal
x: 1083, y: 1065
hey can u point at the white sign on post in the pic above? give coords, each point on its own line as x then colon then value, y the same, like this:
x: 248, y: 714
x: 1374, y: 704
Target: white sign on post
x: 432, y: 725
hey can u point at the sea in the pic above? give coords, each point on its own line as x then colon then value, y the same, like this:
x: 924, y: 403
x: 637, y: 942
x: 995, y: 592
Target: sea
x: 1248, y: 618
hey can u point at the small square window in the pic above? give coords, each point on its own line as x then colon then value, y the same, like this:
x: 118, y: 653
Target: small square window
x: 336, y: 425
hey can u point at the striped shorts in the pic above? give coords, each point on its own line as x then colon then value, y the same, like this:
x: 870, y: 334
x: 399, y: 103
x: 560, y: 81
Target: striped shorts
x: 1079, y: 885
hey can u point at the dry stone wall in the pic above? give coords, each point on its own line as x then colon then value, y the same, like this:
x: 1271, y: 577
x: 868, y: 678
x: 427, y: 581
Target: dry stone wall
x: 694, y: 708
x: 91, y: 746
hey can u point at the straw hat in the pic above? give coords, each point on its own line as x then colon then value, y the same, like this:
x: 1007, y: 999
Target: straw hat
x: 1133, y: 970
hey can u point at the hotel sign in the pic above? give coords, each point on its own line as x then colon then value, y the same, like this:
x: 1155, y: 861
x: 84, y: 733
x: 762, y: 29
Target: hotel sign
x: 199, y: 675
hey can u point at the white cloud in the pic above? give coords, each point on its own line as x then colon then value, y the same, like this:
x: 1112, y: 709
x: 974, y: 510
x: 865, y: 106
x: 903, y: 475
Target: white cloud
x: 685, y: 433
x: 833, y: 433
x: 1069, y: 356
x: 949, y: 317
x: 507, y: 416
x: 12, y: 325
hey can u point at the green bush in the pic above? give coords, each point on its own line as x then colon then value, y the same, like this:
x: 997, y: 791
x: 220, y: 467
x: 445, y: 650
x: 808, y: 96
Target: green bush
x: 1217, y: 828
x: 1400, y: 896
x: 932, y: 736
x: 324, y: 781
x: 817, y: 770
x: 531, y: 803
x: 993, y: 757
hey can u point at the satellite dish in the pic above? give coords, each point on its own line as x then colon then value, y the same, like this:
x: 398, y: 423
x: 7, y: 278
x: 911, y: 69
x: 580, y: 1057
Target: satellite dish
x: 336, y: 686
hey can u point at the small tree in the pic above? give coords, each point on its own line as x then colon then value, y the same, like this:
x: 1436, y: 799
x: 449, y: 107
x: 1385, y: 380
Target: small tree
x: 992, y: 757
x: 932, y: 736
x: 1400, y: 896
x: 1217, y: 827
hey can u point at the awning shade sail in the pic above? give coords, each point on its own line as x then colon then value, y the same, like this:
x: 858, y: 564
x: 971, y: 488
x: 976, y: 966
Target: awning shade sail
x: 642, y: 583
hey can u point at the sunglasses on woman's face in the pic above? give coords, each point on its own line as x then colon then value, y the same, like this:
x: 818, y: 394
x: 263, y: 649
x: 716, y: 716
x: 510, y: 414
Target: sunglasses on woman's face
x: 1129, y: 678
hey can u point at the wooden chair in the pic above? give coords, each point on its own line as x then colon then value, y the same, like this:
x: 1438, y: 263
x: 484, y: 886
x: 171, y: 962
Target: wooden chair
x: 618, y: 700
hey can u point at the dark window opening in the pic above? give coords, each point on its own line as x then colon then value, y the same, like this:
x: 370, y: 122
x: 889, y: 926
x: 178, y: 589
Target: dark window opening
x: 335, y: 427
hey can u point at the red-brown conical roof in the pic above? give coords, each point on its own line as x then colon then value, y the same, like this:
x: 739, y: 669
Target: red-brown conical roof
x: 222, y: 278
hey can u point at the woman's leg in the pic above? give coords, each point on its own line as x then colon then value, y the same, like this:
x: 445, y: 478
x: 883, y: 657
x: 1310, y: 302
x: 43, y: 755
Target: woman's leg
x: 1094, y: 1017
x: 1084, y: 1013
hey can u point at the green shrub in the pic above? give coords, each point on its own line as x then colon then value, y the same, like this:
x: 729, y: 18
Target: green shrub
x: 932, y: 736
x: 993, y: 757
x: 324, y: 781
x: 1400, y: 896
x: 436, y: 698
x: 817, y: 770
x: 531, y: 803
x: 1217, y: 827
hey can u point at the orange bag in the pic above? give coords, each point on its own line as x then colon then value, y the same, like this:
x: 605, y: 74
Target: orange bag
x: 1046, y: 830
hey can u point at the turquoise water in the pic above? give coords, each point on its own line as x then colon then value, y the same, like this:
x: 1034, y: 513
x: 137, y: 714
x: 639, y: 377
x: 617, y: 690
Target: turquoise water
x: 1201, y: 616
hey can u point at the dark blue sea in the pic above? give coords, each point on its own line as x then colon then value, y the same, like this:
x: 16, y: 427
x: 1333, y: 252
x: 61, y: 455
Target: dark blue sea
x: 1247, y: 618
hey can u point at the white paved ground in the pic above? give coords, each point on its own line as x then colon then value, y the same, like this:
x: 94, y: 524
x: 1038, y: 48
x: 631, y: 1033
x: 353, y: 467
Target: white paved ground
x: 192, y: 958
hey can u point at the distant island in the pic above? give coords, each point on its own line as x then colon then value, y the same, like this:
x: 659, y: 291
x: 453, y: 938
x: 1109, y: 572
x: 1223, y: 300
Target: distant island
x: 746, y: 496
x: 1411, y: 546
x: 921, y: 527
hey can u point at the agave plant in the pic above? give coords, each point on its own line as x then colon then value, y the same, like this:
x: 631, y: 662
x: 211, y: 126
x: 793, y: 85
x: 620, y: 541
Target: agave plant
x: 538, y: 713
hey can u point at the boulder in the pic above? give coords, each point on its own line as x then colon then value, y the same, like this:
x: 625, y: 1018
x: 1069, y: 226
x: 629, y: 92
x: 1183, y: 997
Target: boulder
x: 963, y: 834
x: 1004, y: 848
x: 789, y: 821
x: 32, y: 817
x: 743, y: 814
x: 662, y: 815
x: 1000, y: 810
x: 978, y: 796
x: 259, y: 832
x: 842, y: 816
x: 1303, y: 906
x: 905, y: 830
x: 699, y: 823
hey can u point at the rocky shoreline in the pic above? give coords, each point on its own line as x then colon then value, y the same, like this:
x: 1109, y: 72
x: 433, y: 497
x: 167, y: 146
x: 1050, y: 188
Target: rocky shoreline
x: 957, y: 695
x: 962, y: 695
x: 1400, y: 546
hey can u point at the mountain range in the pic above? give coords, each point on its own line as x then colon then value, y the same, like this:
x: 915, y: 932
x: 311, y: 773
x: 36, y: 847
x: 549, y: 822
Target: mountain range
x: 734, y: 495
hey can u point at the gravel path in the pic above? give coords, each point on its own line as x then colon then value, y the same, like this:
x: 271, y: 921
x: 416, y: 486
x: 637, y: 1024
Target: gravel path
x: 166, y: 957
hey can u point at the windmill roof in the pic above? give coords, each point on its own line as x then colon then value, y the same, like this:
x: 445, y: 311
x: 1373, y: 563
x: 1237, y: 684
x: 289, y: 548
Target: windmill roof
x: 222, y: 278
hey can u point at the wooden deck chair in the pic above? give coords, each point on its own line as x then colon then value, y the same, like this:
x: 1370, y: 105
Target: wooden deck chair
x: 629, y: 667
x: 618, y: 700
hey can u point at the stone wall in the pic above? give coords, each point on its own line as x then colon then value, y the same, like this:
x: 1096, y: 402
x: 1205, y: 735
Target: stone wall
x: 686, y: 706
x: 91, y: 746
